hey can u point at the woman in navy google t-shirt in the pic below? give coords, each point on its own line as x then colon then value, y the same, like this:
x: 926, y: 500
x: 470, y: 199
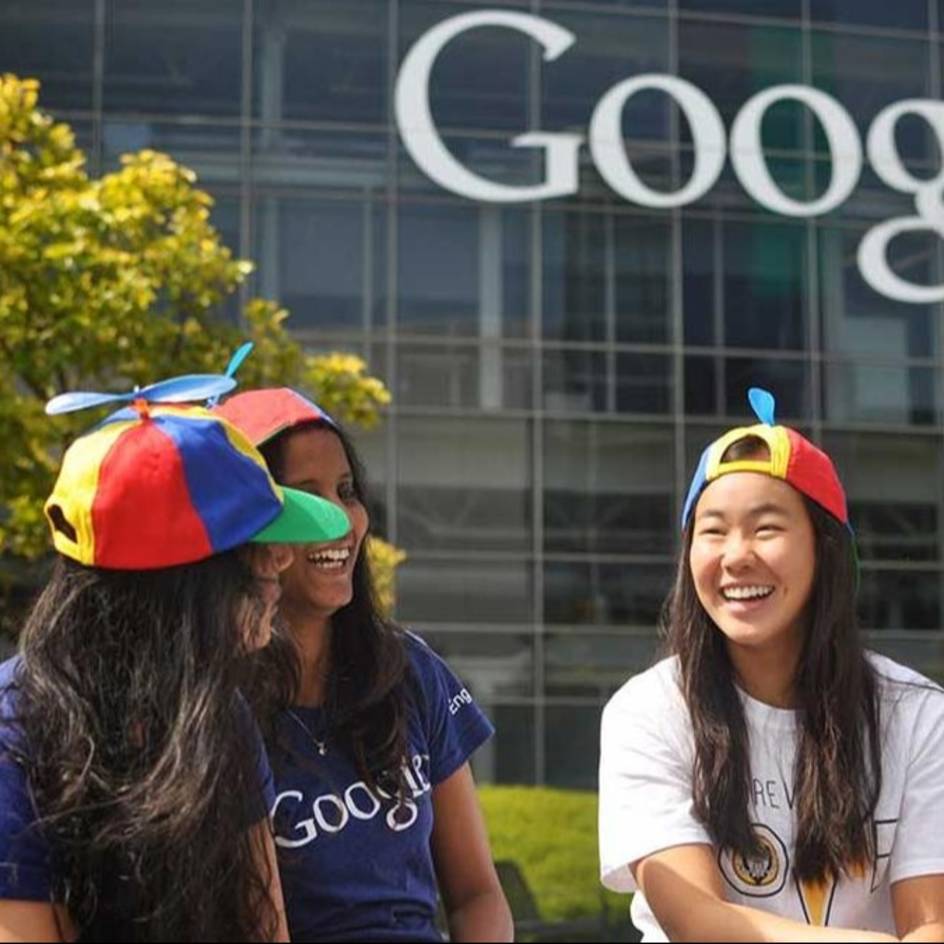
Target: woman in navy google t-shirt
x: 369, y: 731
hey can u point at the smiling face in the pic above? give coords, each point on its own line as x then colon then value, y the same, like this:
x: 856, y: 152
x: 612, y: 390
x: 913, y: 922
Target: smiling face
x: 753, y: 560
x: 320, y: 579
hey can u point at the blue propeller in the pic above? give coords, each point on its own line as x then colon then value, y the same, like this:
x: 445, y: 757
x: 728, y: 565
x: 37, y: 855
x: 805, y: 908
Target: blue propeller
x: 764, y: 405
x: 235, y: 362
x: 187, y: 389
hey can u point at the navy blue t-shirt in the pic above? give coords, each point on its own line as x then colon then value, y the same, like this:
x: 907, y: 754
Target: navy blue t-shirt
x: 355, y: 865
x: 25, y: 862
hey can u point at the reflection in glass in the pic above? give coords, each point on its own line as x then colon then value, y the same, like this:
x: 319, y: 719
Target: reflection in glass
x: 903, y: 599
x: 464, y: 485
x: 871, y: 13
x: 572, y: 743
x: 323, y: 259
x: 730, y: 62
x: 764, y: 285
x: 50, y: 40
x: 478, y: 81
x: 466, y: 591
x: 513, y: 744
x: 894, y: 491
x: 594, y: 665
x: 787, y: 380
x: 174, y: 57
x: 605, y: 594
x: 866, y: 73
x: 462, y: 375
x: 608, y: 487
x: 879, y: 393
x: 491, y: 664
x: 609, y: 49
x: 606, y: 276
x: 210, y: 150
x: 856, y: 319
x: 320, y: 62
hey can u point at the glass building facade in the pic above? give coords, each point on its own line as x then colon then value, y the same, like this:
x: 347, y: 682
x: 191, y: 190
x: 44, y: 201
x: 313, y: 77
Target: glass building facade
x: 556, y: 366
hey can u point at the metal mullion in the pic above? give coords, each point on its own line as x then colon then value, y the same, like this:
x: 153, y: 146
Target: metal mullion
x: 537, y: 437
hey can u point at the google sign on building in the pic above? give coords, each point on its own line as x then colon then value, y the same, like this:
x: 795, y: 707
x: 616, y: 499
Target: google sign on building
x: 712, y: 142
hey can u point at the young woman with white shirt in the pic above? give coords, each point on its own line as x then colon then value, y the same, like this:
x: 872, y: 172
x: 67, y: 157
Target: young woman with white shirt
x: 770, y: 779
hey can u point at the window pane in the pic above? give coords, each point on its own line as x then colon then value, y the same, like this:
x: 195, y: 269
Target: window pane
x: 871, y: 13
x: 867, y: 73
x: 478, y: 81
x: 730, y: 62
x: 211, y: 151
x: 856, y: 318
x: 605, y: 594
x: 486, y: 377
x: 702, y: 385
x: 323, y: 259
x: 594, y: 665
x: 909, y: 600
x: 608, y: 488
x: 454, y: 275
x: 464, y: 485
x: 572, y: 744
x: 574, y: 298
x: 787, y: 380
x: 467, y: 591
x: 608, y: 50
x: 324, y: 61
x: 514, y: 745
x: 702, y: 270
x: 50, y: 40
x: 642, y: 279
x: 880, y: 393
x: 764, y: 285
x: 492, y: 665
x: 792, y: 9
x: 178, y: 57
x: 894, y: 488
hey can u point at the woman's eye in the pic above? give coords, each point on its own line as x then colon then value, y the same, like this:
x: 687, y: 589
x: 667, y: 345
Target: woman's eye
x: 347, y: 493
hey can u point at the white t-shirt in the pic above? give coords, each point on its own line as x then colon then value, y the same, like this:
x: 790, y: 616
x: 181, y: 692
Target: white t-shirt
x: 646, y: 762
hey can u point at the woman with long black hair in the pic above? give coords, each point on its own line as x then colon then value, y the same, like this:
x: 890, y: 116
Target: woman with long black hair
x: 370, y: 732
x: 134, y: 788
x: 771, y: 780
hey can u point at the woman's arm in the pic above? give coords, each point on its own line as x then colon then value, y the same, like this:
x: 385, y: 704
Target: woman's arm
x: 475, y: 903
x: 683, y: 887
x: 268, y: 866
x: 29, y: 921
x: 918, y: 904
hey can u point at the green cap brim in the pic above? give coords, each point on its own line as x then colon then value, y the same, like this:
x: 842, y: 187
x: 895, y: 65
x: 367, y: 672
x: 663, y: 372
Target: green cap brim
x: 304, y: 519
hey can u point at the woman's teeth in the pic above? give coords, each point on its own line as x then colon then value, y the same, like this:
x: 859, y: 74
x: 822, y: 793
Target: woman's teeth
x: 330, y: 560
x: 746, y: 593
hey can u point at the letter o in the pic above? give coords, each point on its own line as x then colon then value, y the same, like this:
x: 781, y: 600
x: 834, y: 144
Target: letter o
x: 338, y: 804
x: 609, y: 152
x: 750, y: 164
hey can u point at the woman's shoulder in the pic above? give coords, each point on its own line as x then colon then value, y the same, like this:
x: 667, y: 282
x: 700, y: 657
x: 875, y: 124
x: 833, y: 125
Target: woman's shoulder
x: 904, y: 688
x: 896, y: 680
x: 652, y: 692
x: 424, y: 660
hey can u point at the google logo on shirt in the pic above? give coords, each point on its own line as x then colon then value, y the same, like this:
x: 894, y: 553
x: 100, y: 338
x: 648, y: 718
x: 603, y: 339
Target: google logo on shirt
x: 712, y: 145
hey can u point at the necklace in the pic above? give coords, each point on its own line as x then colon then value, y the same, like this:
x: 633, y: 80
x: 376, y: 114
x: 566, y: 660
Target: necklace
x: 321, y: 745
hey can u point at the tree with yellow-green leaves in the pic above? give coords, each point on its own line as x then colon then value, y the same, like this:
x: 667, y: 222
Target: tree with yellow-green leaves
x: 111, y: 282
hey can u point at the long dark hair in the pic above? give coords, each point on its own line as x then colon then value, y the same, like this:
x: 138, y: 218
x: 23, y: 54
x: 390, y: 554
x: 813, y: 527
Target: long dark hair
x: 838, y: 769
x: 127, y: 695
x: 369, y: 694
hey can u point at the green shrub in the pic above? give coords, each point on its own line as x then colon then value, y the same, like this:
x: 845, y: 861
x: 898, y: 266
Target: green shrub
x: 552, y: 836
